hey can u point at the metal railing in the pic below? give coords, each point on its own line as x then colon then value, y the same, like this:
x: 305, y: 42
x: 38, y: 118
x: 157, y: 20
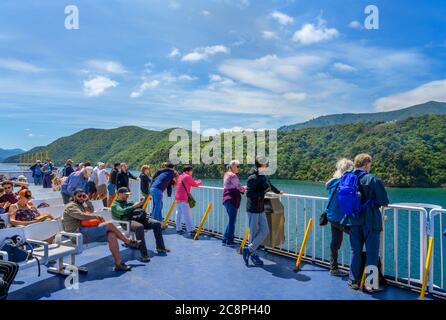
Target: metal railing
x: 15, y: 173
x: 403, y: 240
x: 436, y: 282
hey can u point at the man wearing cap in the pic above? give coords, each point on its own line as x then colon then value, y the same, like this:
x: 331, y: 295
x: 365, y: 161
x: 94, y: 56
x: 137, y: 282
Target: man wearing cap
x: 37, y: 172
x: 81, y: 209
x: 128, y: 211
x: 77, y: 180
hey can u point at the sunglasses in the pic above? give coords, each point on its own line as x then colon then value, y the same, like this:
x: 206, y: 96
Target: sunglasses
x: 82, y: 196
x: 7, y: 188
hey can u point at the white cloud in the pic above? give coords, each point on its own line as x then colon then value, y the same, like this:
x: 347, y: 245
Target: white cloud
x: 174, y: 5
x: 339, y: 66
x: 19, y: 65
x: 273, y: 73
x: 205, y: 13
x: 356, y: 25
x: 282, y: 18
x: 215, y: 78
x: 107, y: 66
x: 269, y: 35
x: 144, y: 87
x: 204, y: 53
x: 98, y: 85
x: 31, y: 135
x: 432, y: 91
x: 295, y: 96
x: 174, y: 53
x: 311, y: 33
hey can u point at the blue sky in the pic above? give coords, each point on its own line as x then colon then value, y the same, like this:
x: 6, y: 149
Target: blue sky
x: 227, y: 63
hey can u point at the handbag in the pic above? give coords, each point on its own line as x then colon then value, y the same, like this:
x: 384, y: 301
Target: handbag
x: 90, y: 223
x: 190, y: 199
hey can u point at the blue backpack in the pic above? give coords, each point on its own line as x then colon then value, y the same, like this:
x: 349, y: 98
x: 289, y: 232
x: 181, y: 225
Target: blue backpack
x: 349, y: 196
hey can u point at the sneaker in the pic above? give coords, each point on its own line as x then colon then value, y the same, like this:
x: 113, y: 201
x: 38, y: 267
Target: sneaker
x: 353, y: 285
x: 338, y: 273
x: 246, y: 253
x: 123, y: 267
x: 144, y: 258
x: 372, y: 290
x: 256, y: 260
x: 134, y: 244
x: 165, y: 250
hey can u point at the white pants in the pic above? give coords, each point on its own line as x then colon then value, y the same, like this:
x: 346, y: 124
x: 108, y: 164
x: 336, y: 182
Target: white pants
x: 183, y: 215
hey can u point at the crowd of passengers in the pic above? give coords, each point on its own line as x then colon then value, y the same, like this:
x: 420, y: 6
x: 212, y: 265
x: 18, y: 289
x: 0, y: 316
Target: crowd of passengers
x: 82, y: 183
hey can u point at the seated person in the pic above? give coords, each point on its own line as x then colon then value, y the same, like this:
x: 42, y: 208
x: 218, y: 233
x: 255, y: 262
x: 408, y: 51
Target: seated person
x: 22, y: 182
x: 128, y: 211
x: 8, y: 195
x: 24, y: 212
x: 81, y: 209
x: 3, y: 205
x: 8, y: 271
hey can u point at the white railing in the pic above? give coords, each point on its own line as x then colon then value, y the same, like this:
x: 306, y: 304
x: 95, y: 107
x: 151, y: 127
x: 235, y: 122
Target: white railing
x: 436, y: 282
x: 403, y: 245
x: 15, y: 173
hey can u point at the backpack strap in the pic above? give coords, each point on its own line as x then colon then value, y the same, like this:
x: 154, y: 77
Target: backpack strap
x: 368, y: 201
x: 332, y: 195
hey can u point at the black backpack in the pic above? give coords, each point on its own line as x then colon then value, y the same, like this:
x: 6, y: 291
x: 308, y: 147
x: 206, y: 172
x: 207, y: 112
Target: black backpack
x: 19, y: 250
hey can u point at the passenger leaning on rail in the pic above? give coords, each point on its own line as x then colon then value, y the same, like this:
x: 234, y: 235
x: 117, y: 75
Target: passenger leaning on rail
x: 163, y: 180
x: 184, y: 214
x: 76, y: 180
x: 256, y: 188
x: 232, y: 190
x: 81, y: 209
x: 365, y: 228
x: 335, y: 215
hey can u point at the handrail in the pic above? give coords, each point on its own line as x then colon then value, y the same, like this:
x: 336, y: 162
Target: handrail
x: 409, y: 222
x: 432, y: 287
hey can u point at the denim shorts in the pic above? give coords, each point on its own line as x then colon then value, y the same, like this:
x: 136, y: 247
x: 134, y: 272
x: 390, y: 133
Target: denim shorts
x: 94, y: 234
x: 111, y: 189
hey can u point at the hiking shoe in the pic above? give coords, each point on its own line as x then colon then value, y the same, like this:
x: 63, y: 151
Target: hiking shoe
x: 144, y: 258
x: 246, y: 254
x: 256, y: 260
x: 353, y: 285
x: 165, y: 250
x: 338, y: 273
x: 123, y: 267
x: 134, y: 244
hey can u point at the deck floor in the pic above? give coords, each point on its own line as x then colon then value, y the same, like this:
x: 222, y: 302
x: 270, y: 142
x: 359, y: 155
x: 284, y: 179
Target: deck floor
x: 200, y: 270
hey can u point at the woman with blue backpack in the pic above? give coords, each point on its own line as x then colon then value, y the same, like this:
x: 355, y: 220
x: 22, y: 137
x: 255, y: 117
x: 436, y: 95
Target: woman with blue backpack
x: 335, y: 215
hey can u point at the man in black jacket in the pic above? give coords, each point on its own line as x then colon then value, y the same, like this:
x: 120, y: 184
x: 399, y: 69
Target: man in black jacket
x: 257, y: 186
x: 68, y: 169
x: 123, y: 177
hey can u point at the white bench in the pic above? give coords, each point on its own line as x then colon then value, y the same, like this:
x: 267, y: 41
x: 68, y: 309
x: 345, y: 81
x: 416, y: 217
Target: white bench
x: 8, y: 233
x: 107, y: 215
x: 55, y: 211
x: 65, y: 244
x: 50, y: 201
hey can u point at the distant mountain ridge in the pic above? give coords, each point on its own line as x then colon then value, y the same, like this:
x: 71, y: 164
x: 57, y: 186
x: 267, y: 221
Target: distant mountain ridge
x: 428, y: 108
x: 5, y: 153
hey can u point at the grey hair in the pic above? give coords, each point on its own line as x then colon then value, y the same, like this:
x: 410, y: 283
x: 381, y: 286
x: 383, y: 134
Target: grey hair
x: 343, y: 166
x: 234, y: 162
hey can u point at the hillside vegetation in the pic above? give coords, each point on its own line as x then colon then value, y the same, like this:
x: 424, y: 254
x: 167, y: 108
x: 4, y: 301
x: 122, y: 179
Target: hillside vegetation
x: 409, y: 152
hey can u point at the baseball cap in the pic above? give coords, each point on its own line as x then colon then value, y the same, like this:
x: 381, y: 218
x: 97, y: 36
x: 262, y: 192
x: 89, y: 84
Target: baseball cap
x: 77, y: 191
x: 124, y: 190
x: 21, y: 177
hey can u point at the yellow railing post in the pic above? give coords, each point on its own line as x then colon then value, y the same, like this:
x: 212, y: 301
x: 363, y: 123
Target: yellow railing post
x: 427, y: 267
x: 41, y: 155
x: 146, y: 202
x: 46, y: 154
x: 361, y: 286
x: 245, y: 239
x: 304, y: 243
x: 169, y: 213
x: 205, y: 216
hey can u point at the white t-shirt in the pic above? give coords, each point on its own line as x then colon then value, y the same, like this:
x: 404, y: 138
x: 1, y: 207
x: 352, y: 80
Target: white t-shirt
x: 102, y: 178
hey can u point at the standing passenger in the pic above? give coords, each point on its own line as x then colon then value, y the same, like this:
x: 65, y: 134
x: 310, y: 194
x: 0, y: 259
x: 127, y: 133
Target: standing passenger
x: 123, y: 177
x: 146, y: 180
x: 112, y: 183
x: 232, y: 191
x: 183, y: 213
x: 335, y: 215
x: 163, y: 179
x: 256, y: 188
x: 37, y: 172
x: 367, y: 225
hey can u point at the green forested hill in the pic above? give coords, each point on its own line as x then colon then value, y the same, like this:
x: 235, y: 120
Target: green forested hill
x: 432, y: 107
x: 410, y: 152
